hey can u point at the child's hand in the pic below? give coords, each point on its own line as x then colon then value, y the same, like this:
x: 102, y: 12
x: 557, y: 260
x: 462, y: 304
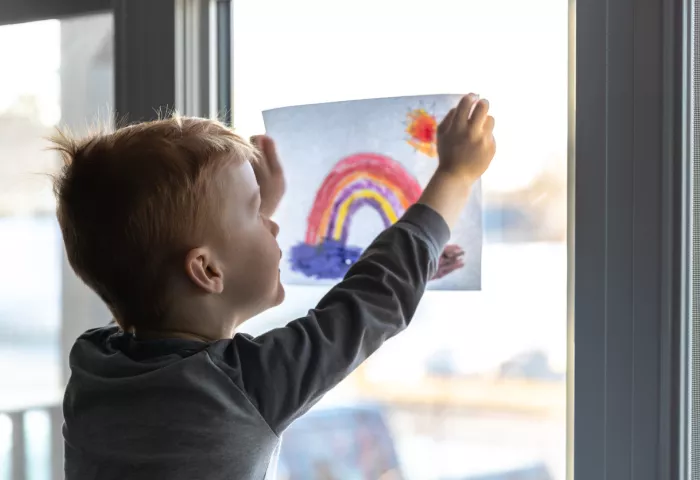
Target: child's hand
x: 465, y: 139
x: 465, y: 148
x: 268, y: 172
x: 452, y: 259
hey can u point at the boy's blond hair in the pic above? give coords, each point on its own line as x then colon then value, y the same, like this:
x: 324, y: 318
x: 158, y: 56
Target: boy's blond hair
x: 132, y: 201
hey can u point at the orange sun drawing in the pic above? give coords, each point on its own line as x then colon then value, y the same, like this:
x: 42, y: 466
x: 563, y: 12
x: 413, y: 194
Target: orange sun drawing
x: 422, y: 131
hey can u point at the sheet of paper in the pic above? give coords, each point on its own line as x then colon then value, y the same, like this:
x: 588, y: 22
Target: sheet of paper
x: 352, y: 170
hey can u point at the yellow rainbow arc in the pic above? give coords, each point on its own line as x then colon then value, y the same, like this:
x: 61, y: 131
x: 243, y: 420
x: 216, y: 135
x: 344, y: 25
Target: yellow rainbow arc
x: 325, y: 219
x: 362, y: 194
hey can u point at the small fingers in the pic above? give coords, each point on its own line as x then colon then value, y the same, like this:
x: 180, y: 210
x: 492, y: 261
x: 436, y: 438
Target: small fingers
x: 452, y: 251
x: 464, y: 109
x: 445, y: 268
x: 480, y: 114
x: 266, y: 146
x: 270, y: 150
x: 447, y: 121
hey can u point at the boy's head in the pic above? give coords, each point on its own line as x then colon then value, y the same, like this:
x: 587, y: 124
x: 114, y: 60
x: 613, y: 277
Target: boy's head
x: 162, y: 220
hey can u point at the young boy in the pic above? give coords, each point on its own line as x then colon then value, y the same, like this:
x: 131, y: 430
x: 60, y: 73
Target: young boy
x: 169, y: 222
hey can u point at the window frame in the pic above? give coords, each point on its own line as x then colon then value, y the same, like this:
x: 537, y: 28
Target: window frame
x: 20, y: 11
x: 631, y: 231
x: 152, y: 54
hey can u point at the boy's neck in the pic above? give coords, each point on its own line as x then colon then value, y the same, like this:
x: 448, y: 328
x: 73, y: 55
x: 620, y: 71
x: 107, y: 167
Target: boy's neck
x: 167, y: 333
x: 191, y: 320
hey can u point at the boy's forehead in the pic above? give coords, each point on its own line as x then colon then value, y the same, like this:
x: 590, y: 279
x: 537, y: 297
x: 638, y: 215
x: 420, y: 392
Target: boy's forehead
x: 238, y: 190
x: 240, y: 177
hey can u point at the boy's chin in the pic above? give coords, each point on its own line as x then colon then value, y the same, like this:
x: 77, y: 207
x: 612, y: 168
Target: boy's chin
x: 279, y: 295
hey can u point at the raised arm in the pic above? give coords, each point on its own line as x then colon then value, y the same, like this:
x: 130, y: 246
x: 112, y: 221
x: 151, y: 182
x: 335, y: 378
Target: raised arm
x: 285, y: 371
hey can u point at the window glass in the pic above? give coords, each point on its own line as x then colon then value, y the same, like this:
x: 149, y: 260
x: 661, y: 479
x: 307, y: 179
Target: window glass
x: 53, y: 73
x: 476, y: 386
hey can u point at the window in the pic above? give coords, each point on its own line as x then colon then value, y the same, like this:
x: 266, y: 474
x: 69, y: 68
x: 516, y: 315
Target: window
x: 30, y: 284
x: 476, y: 387
x: 61, y: 75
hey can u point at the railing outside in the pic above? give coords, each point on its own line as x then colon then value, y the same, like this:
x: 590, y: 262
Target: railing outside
x: 17, y: 461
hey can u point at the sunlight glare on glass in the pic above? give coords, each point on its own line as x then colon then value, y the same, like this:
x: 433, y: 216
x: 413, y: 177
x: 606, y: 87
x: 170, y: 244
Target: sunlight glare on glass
x: 31, y: 52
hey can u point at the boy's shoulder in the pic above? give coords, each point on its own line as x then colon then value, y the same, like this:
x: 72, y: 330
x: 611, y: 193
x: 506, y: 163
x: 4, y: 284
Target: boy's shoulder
x: 100, y: 335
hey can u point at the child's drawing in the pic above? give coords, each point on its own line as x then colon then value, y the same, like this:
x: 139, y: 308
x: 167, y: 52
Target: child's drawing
x: 360, y: 180
x: 352, y: 172
x: 421, y: 127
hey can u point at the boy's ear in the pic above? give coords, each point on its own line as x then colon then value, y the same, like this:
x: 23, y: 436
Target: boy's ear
x: 203, y: 271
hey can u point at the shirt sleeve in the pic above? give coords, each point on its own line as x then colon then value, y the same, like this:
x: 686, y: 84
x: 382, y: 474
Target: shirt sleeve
x: 287, y: 370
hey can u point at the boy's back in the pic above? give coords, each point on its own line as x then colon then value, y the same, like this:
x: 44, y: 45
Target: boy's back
x: 160, y: 409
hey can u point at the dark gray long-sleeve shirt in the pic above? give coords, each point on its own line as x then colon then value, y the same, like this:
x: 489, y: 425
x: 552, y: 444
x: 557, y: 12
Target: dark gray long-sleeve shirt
x: 182, y: 409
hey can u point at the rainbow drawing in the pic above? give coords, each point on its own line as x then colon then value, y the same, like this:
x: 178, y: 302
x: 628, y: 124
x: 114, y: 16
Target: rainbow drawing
x: 363, y: 179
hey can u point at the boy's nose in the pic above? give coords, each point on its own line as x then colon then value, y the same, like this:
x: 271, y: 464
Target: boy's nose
x: 274, y: 228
